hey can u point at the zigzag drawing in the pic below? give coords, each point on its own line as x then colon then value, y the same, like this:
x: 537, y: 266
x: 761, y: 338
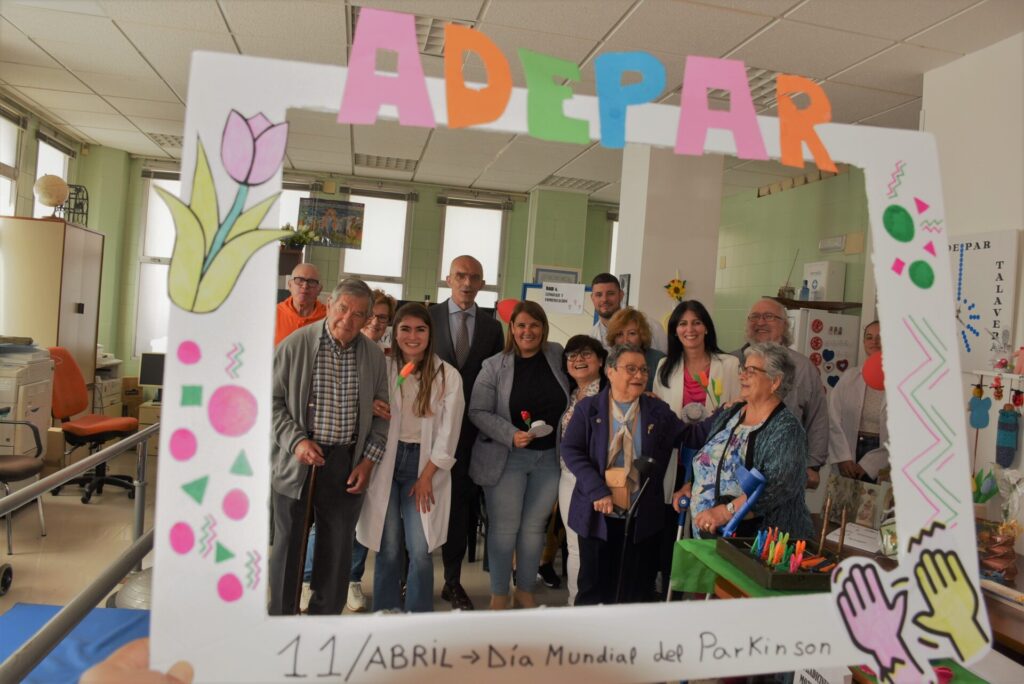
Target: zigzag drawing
x: 925, y: 534
x: 235, y: 359
x: 209, y: 534
x: 928, y: 463
x: 931, y: 225
x: 896, y: 180
x: 252, y: 567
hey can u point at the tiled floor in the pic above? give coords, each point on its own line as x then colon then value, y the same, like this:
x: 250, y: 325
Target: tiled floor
x: 83, y: 539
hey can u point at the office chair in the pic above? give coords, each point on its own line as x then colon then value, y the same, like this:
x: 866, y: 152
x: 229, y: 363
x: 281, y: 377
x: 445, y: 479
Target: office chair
x: 16, y: 469
x: 70, y: 397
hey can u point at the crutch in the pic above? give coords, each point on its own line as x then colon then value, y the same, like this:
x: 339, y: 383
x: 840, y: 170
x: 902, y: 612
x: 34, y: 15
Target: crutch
x: 683, y: 522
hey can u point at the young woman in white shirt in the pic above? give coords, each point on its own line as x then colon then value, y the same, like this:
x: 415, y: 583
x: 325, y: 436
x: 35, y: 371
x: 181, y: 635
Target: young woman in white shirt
x: 410, y: 491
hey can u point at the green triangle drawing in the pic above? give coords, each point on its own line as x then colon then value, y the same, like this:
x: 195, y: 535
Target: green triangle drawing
x: 197, y: 488
x: 241, y: 465
x: 222, y: 553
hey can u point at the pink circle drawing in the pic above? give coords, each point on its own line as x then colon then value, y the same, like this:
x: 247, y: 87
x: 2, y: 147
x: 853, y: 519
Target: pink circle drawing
x: 232, y: 410
x: 229, y: 588
x: 182, y: 538
x: 188, y: 352
x: 183, y: 444
x: 236, y: 504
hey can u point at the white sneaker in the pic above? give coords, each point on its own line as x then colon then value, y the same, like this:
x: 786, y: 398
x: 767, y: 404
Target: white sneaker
x: 356, y: 599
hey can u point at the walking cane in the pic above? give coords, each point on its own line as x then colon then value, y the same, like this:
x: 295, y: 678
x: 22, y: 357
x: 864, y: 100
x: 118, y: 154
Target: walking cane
x: 307, y: 525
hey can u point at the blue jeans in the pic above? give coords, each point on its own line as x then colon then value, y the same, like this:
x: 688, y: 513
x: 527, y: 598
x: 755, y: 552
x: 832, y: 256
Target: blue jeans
x: 359, y: 554
x: 518, y: 508
x: 403, y: 516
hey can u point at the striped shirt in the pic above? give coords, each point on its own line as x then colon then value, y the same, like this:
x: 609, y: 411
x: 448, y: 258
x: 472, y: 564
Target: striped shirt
x: 336, y: 397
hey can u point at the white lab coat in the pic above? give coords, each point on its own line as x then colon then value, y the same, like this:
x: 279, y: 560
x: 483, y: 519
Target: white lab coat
x: 845, y: 403
x: 439, y: 436
x: 724, y: 368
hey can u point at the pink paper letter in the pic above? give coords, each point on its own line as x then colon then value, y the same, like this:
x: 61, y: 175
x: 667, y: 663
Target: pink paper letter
x: 366, y: 91
x: 695, y: 117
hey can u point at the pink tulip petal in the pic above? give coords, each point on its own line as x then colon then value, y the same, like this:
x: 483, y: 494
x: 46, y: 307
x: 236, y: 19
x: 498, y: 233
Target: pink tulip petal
x: 237, y: 147
x: 269, y: 153
x: 258, y: 124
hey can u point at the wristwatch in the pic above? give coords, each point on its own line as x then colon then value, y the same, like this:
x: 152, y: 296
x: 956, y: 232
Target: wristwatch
x: 730, y: 507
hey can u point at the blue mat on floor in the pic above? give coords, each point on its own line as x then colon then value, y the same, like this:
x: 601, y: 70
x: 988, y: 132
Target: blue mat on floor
x: 103, y: 631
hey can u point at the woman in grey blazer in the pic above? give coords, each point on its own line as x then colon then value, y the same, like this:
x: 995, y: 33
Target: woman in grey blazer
x: 514, y: 457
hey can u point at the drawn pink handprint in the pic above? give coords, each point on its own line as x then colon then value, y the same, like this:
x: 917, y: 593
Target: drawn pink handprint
x: 875, y: 623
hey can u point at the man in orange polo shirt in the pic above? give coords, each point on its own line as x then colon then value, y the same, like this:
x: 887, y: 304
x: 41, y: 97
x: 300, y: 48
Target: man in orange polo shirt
x: 302, y: 308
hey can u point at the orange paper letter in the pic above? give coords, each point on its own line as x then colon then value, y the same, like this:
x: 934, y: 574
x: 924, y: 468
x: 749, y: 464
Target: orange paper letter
x: 469, y: 106
x: 796, y: 126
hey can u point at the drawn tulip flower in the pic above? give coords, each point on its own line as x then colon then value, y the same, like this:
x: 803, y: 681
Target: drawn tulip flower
x: 210, y: 252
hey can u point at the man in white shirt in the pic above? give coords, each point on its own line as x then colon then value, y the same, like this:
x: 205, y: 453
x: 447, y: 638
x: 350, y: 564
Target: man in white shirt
x: 606, y: 294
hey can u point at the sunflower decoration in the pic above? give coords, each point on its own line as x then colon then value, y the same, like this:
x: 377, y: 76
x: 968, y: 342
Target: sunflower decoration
x: 676, y: 289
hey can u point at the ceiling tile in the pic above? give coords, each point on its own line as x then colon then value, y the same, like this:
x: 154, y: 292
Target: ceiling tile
x: 681, y: 28
x: 441, y: 179
x: 162, y: 126
x: 149, y: 88
x: 17, y: 47
x: 317, y: 33
x: 883, y: 18
x: 170, y: 50
x: 115, y: 57
x: 465, y: 173
x: 906, y: 116
x: 195, y: 15
x: 446, y: 9
x: 853, y: 103
x: 976, y: 28
x: 84, y: 102
x: 538, y: 157
x: 383, y: 173
x: 806, y: 50
x: 769, y: 8
x: 597, y: 163
x: 130, y: 106
x: 94, y: 119
x: 509, y: 180
x: 80, y: 6
x: 316, y: 123
x: 510, y: 40
x: 323, y: 156
x: 130, y: 141
x: 40, y: 77
x: 337, y: 166
x: 69, y: 27
x: 476, y: 148
x: 574, y: 18
x: 76, y: 134
x: 900, y: 69
x: 610, y: 193
x: 305, y: 141
x: 388, y: 139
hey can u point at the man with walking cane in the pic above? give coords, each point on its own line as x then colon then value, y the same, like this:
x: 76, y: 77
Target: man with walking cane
x: 326, y: 442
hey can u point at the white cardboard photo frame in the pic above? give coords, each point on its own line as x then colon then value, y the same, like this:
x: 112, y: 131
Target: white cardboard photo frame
x: 209, y: 594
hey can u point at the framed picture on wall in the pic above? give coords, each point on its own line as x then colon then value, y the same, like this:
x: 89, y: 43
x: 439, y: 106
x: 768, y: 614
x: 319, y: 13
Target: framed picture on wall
x: 624, y: 279
x: 556, y: 274
x: 336, y: 223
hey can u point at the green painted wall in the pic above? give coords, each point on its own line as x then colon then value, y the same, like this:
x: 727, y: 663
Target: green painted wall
x: 597, y: 250
x: 105, y: 174
x: 760, y: 236
x: 135, y: 217
x: 557, y: 229
x: 512, y: 269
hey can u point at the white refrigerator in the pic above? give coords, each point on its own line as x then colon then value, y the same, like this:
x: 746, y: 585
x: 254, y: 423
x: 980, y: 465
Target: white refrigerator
x: 831, y: 341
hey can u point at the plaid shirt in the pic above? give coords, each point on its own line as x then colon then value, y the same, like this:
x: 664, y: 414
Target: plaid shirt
x: 336, y: 397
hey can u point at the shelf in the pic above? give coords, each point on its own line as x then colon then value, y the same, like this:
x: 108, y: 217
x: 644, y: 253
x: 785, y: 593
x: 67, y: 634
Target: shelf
x: 820, y: 306
x: 1005, y: 375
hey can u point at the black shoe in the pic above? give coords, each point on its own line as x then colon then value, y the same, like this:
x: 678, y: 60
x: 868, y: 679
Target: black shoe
x: 457, y: 595
x: 548, y: 576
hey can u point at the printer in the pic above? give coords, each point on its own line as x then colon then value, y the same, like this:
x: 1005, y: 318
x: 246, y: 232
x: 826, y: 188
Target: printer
x: 26, y: 386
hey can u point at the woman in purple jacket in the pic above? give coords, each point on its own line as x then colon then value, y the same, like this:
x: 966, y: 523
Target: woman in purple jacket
x: 607, y: 436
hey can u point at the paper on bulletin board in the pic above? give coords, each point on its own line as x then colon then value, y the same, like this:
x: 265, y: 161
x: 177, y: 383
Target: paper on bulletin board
x: 566, y: 298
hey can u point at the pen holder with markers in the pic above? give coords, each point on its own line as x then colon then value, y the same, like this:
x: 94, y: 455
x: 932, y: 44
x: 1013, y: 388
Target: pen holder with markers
x: 774, y: 561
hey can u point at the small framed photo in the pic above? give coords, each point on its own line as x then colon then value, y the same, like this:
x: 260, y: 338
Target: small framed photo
x: 556, y: 274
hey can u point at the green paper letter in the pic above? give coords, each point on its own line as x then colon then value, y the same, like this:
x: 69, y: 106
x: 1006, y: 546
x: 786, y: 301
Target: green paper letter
x: 545, y: 118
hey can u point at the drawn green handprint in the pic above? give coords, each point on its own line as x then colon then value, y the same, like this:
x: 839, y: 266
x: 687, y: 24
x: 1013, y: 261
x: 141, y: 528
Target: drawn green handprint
x: 952, y: 603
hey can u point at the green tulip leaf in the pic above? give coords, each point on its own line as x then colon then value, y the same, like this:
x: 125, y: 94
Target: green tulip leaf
x: 189, y: 251
x: 219, y: 280
x: 204, y: 197
x: 251, y: 218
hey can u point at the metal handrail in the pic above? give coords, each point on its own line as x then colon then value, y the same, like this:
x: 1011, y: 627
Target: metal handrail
x: 20, y: 663
x: 64, y: 475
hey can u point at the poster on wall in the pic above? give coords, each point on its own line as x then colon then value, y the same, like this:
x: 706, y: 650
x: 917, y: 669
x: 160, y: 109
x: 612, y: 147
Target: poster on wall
x: 335, y: 223
x: 984, y: 268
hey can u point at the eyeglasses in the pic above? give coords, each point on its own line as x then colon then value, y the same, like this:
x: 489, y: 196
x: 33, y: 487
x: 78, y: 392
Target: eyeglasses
x: 745, y: 370
x: 471, y: 277
x: 580, y: 356
x: 635, y: 370
x: 305, y: 282
x: 766, y: 317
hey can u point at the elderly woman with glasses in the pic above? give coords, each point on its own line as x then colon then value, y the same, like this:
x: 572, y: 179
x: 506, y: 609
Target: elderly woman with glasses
x: 380, y: 319
x: 608, y: 435
x: 758, y: 432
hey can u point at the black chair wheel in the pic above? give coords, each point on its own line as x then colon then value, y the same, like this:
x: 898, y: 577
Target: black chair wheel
x: 55, y: 491
x: 6, y: 578
x: 86, y: 497
x: 131, y: 493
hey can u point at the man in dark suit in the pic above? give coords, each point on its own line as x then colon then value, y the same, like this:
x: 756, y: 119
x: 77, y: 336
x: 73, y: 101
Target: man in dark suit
x: 463, y: 337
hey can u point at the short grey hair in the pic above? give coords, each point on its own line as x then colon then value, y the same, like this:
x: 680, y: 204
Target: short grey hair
x: 620, y: 349
x: 777, y: 364
x: 787, y: 334
x: 353, y: 287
